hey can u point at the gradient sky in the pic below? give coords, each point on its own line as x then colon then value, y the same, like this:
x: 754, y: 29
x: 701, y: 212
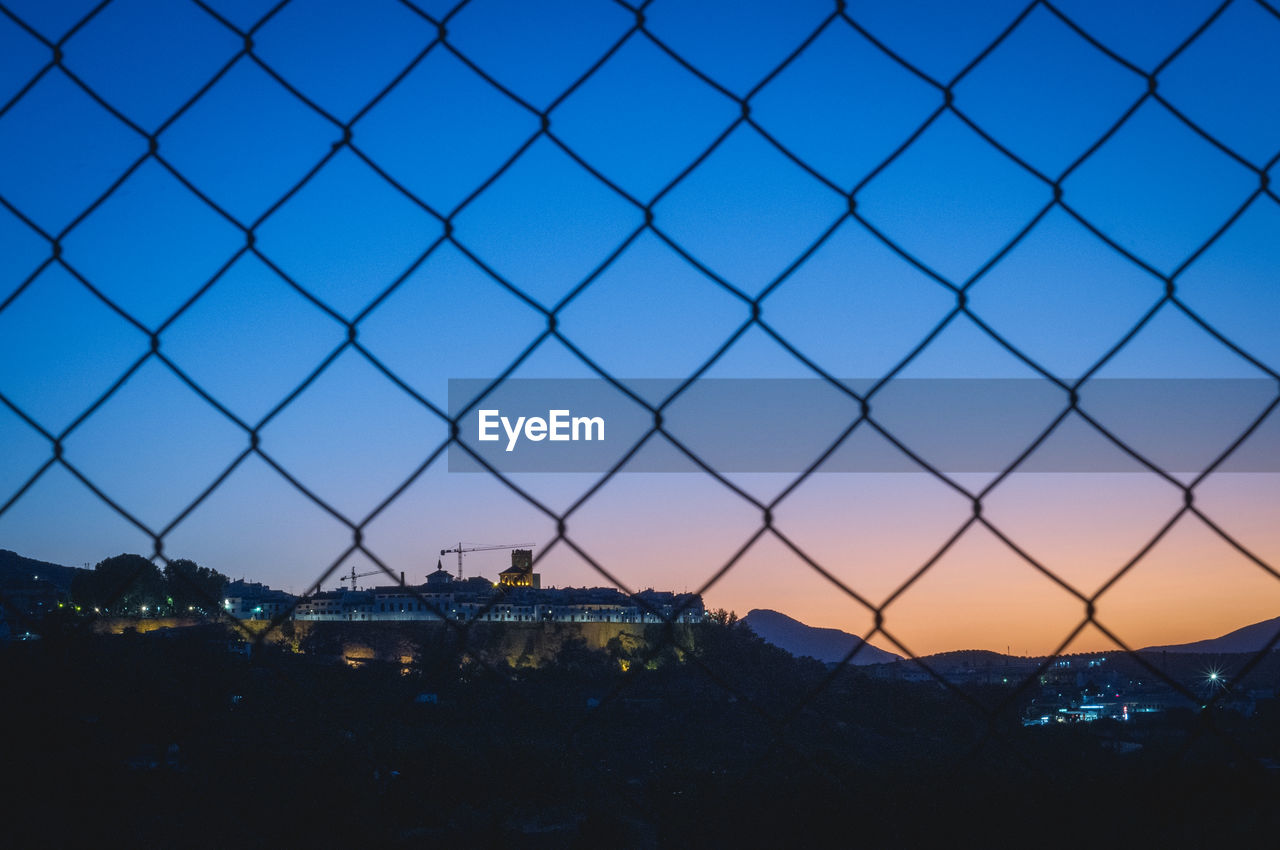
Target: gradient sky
x: 1157, y: 188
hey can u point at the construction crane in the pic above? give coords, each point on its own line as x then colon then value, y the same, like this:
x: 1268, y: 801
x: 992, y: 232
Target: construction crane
x: 481, y: 547
x: 352, y: 578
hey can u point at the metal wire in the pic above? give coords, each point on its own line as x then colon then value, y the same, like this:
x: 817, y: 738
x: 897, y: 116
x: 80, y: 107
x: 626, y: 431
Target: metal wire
x: 345, y: 137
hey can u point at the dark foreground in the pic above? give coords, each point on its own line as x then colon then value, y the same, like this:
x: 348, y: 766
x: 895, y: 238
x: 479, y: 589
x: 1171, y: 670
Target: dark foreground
x: 179, y: 738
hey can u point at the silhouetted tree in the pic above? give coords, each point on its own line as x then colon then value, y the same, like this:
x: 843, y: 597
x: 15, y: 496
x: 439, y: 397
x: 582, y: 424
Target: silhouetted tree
x: 721, y: 617
x: 124, y: 584
x: 191, y: 587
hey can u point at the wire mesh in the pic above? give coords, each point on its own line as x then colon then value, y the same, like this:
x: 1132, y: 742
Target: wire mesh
x: 344, y: 136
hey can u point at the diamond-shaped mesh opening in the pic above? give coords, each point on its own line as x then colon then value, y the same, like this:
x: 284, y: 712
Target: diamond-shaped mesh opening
x: 1046, y: 94
x: 148, y: 79
x: 1148, y: 201
x: 40, y: 135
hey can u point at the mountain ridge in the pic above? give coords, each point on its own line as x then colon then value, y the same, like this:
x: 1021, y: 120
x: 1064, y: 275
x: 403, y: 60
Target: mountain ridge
x: 801, y: 640
x: 15, y: 567
x: 1251, y: 638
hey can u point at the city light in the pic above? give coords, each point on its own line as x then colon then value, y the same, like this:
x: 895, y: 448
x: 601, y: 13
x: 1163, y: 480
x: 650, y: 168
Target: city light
x: 1214, y: 680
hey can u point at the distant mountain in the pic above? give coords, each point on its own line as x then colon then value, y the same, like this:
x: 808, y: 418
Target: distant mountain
x: 1248, y: 639
x: 15, y: 567
x: 826, y: 645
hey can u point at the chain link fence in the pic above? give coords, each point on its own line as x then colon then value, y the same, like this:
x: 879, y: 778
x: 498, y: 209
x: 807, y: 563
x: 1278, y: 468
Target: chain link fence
x: 754, y: 313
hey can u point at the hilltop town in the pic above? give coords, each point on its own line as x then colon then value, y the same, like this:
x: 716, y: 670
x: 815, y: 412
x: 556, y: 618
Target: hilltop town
x: 129, y: 586
x: 517, y: 597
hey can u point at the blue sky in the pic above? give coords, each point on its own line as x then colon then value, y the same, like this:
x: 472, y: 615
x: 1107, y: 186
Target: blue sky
x: 364, y: 239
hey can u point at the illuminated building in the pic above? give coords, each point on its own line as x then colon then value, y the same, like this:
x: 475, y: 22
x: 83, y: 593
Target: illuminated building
x: 251, y: 600
x: 520, y: 573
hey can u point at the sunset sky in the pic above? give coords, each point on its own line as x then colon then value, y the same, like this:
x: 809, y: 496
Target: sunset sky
x: 433, y: 303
